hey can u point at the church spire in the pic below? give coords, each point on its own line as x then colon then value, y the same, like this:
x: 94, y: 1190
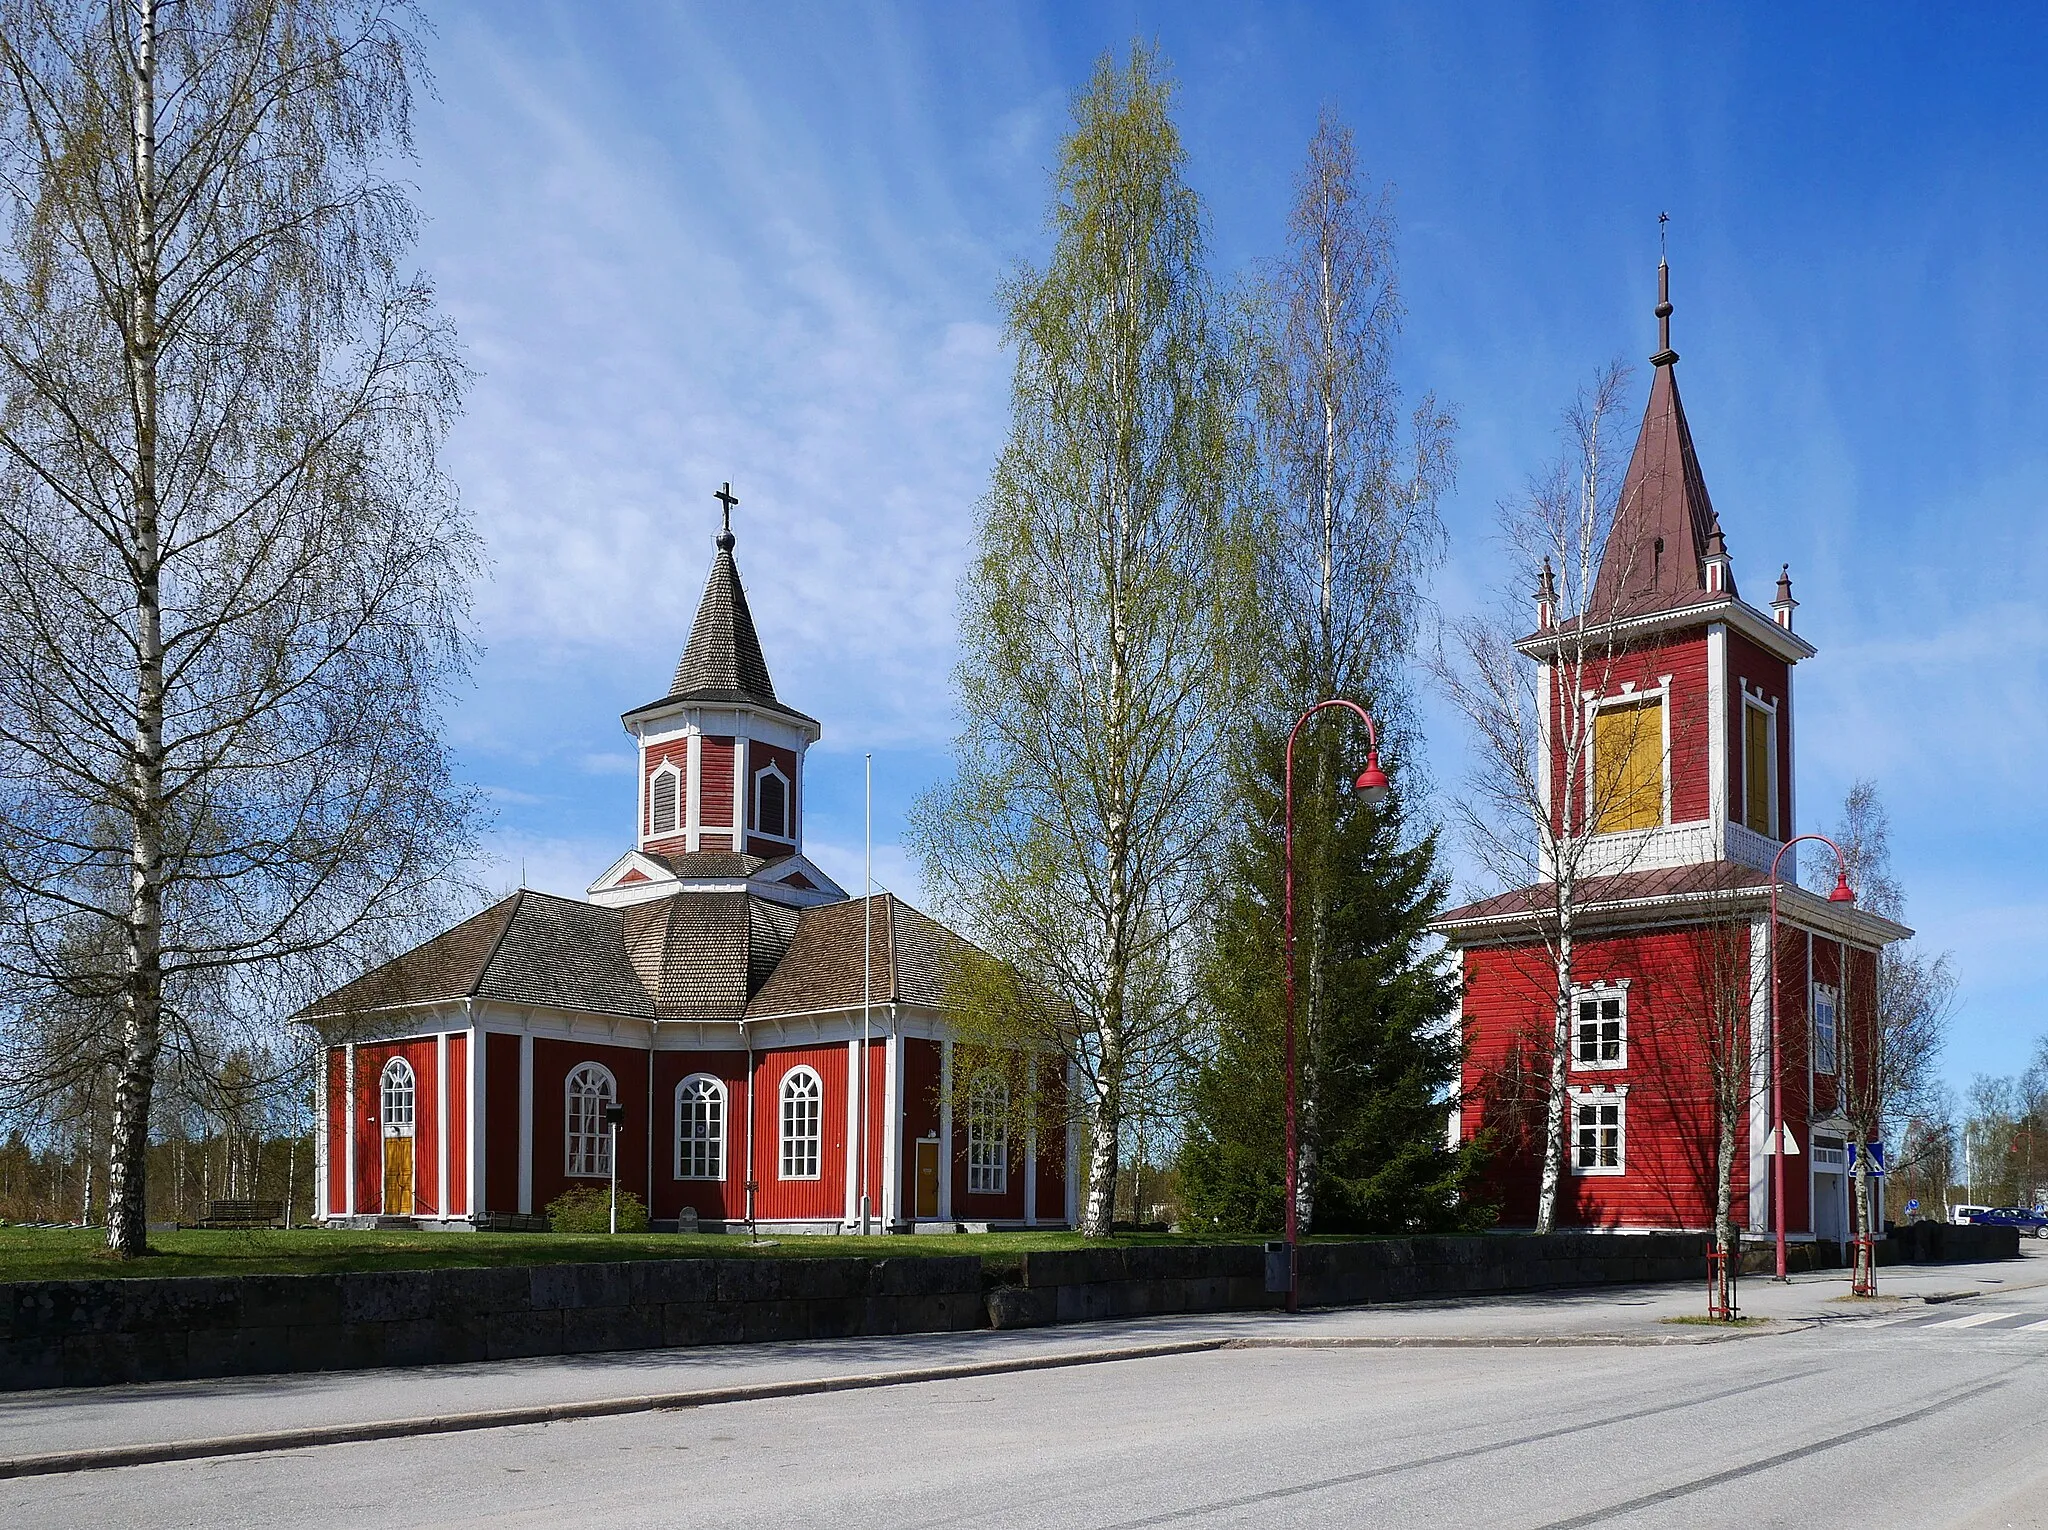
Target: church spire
x: 1659, y: 552
x: 723, y: 661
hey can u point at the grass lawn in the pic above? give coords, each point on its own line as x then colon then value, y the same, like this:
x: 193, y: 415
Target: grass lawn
x: 75, y: 1253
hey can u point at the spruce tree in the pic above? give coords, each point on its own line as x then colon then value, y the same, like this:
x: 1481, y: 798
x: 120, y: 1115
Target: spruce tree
x: 1386, y: 1050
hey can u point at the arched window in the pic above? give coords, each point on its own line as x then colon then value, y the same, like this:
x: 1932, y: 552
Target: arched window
x: 590, y: 1090
x: 988, y: 1136
x: 700, y: 1128
x: 803, y: 1124
x: 771, y: 803
x: 398, y: 1097
x: 664, y: 791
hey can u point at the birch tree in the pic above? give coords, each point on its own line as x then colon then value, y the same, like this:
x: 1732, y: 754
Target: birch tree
x: 1101, y: 620
x: 232, y: 579
x: 1350, y: 478
x: 1534, y: 802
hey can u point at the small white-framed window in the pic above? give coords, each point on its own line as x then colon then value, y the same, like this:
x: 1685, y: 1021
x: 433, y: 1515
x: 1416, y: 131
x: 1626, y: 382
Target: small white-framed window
x: 664, y: 801
x: 988, y: 1136
x: 1600, y: 1026
x: 1826, y: 1040
x: 700, y: 1128
x: 589, y: 1090
x: 771, y: 803
x: 803, y: 1124
x: 1599, y: 1131
x: 398, y: 1088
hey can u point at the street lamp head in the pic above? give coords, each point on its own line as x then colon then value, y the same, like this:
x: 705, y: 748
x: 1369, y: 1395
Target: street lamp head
x: 1372, y: 781
x: 1842, y: 893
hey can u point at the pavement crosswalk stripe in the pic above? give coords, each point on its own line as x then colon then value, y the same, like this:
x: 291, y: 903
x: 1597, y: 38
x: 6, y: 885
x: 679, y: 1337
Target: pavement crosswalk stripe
x: 2032, y: 1327
x: 1974, y: 1320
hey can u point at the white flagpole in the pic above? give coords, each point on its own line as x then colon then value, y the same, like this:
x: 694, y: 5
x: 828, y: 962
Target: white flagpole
x: 867, y: 928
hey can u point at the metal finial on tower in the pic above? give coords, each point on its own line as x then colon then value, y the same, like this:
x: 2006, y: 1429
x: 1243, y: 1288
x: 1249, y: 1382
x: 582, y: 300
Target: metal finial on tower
x: 1665, y: 354
x: 726, y: 500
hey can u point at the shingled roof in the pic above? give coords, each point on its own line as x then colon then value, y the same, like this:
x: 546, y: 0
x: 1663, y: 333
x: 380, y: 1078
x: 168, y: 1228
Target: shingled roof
x: 1655, y: 555
x: 529, y: 948
x: 912, y: 956
x: 688, y: 956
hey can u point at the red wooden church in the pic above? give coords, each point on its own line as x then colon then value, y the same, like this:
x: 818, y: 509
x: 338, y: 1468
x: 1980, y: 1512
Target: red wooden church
x: 778, y: 1048
x: 1673, y: 913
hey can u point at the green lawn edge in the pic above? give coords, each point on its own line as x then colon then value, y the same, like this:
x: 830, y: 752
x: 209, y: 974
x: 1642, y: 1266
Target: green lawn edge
x: 29, y: 1254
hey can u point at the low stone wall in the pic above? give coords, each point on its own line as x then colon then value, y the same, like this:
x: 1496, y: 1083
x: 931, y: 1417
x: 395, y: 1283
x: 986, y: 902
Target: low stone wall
x: 1074, y: 1286
x: 102, y: 1332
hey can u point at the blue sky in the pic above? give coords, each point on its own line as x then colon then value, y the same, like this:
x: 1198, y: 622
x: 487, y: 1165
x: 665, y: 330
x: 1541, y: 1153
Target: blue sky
x: 686, y: 244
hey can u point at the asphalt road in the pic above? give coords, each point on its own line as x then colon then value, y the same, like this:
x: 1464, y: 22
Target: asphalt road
x: 1933, y: 1416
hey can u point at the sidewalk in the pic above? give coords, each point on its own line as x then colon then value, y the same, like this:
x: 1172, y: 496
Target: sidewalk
x: 370, y: 1404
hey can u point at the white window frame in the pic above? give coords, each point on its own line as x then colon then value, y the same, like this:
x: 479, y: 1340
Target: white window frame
x: 988, y: 1136
x: 583, y: 1123
x: 665, y: 771
x: 1627, y: 696
x: 1825, y: 993
x: 397, y: 1085
x: 1753, y: 701
x: 1600, y: 993
x: 788, y: 803
x: 800, y: 1151
x: 708, y: 1091
x: 1615, y: 1099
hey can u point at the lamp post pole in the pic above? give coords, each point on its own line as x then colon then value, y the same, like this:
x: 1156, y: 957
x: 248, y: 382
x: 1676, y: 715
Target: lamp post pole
x: 1371, y: 785
x: 613, y: 1115
x: 1841, y: 894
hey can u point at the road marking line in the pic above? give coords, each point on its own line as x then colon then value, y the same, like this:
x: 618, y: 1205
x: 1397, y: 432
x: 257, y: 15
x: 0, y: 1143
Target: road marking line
x: 1974, y: 1320
x: 2032, y: 1327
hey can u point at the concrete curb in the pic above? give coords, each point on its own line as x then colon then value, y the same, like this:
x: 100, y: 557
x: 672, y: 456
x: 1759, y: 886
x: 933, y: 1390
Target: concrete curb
x: 110, y: 1457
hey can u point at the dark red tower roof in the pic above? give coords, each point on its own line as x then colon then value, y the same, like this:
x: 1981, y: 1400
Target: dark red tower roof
x: 1655, y: 556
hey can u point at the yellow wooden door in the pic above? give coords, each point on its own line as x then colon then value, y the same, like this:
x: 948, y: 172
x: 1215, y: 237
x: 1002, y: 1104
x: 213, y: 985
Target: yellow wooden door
x: 926, y: 1201
x: 398, y: 1176
x: 1628, y: 767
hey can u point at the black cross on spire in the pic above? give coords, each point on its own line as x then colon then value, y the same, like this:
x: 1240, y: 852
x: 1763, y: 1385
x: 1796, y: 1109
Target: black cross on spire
x: 726, y: 500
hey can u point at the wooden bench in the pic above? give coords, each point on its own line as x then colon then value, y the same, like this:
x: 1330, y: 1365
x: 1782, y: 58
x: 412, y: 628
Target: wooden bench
x: 243, y: 1214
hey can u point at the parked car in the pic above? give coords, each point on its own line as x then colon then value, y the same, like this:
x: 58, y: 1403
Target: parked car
x: 1966, y: 1213
x: 2027, y: 1221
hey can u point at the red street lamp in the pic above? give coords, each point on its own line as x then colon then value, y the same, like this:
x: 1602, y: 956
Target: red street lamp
x: 1841, y: 894
x: 1372, y: 786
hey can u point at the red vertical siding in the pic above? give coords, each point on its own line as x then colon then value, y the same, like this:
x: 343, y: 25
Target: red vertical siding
x: 820, y: 1199
x: 1052, y: 1147
x: 339, y: 1125
x: 714, y: 792
x: 369, y: 1126
x: 500, y: 1124
x: 1669, y: 1112
x: 458, y: 1124
x: 1748, y: 664
x: 652, y: 759
x: 1682, y: 656
x: 920, y: 1113
x: 983, y: 1206
x: 713, y: 1200
x: 553, y: 1061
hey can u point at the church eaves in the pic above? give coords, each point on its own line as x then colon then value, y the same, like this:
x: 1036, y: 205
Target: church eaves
x: 1664, y: 526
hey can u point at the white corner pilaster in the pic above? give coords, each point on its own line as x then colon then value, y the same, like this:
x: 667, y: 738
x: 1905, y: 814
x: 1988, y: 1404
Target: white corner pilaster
x: 348, y: 1116
x: 1718, y: 708
x: 1546, y: 684
x: 1791, y: 824
x: 526, y: 1125
x: 441, y: 1123
x: 1759, y: 1075
x: 854, y: 1135
x: 323, y: 1195
x: 892, y: 1130
x: 473, y: 1161
x: 693, y: 791
x: 742, y: 786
